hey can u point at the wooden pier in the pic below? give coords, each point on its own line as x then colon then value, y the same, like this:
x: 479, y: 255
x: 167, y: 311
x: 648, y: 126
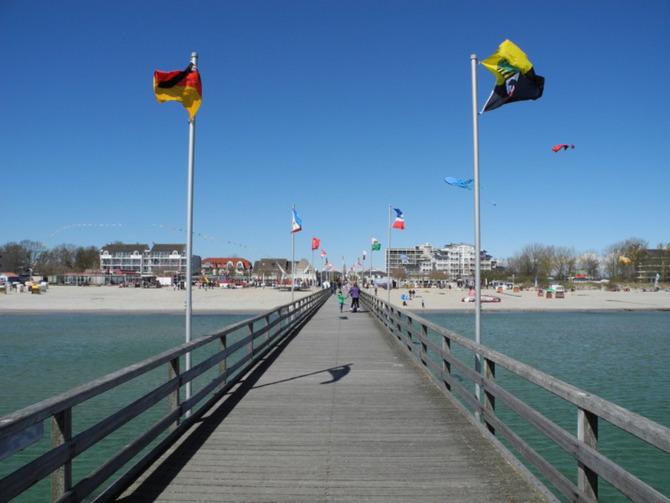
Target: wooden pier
x: 336, y: 412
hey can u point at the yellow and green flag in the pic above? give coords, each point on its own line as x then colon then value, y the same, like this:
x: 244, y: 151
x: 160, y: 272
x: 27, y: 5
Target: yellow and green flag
x: 515, y: 77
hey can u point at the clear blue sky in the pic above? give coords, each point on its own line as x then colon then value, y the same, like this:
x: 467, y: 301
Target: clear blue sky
x: 341, y: 108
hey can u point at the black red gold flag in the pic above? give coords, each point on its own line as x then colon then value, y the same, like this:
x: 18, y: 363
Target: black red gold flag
x: 184, y: 86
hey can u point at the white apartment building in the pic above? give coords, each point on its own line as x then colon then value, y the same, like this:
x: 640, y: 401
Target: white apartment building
x: 457, y: 260
x: 140, y: 259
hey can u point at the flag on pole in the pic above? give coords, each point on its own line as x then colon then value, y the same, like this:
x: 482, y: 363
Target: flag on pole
x: 323, y: 253
x: 184, y: 86
x: 399, y: 222
x: 297, y: 222
x: 515, y: 77
x: 376, y: 245
x: 315, y: 243
x: 363, y: 255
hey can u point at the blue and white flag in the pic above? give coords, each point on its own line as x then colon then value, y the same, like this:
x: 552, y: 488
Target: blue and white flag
x: 297, y: 222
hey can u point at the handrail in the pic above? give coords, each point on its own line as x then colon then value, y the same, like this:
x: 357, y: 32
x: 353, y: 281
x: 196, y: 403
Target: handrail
x: 413, y: 333
x: 234, y: 359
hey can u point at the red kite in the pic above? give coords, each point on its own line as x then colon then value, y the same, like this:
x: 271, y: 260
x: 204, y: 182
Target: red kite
x: 563, y: 146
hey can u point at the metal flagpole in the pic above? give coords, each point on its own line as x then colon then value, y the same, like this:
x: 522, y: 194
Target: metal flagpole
x: 371, y: 282
x: 292, y: 260
x: 478, y: 293
x: 388, y: 263
x: 189, y: 235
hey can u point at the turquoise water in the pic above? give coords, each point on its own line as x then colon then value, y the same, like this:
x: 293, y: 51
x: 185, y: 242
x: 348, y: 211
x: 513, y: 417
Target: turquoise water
x: 621, y: 356
x: 43, y: 355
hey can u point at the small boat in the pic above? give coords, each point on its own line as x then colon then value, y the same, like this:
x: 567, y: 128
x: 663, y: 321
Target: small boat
x: 485, y: 298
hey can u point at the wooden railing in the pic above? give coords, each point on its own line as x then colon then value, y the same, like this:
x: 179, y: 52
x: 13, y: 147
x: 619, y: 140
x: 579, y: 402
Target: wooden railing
x: 230, y: 354
x: 434, y: 346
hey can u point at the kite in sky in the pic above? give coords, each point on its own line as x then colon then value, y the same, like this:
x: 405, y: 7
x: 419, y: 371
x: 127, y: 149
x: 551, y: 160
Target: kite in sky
x: 463, y: 184
x: 561, y: 146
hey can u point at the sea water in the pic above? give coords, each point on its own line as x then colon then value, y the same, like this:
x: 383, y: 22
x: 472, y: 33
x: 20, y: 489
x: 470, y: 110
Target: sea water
x: 623, y: 357
x: 47, y: 354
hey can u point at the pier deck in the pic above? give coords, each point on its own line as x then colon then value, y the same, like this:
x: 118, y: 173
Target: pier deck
x: 337, y: 413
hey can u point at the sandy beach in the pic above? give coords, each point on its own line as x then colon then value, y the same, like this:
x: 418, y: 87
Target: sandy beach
x: 108, y: 299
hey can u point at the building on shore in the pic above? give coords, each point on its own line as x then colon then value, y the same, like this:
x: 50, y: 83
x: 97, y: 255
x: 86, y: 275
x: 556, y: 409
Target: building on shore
x: 159, y: 260
x: 271, y: 271
x: 457, y: 261
x: 232, y: 267
x: 278, y: 271
x: 654, y: 265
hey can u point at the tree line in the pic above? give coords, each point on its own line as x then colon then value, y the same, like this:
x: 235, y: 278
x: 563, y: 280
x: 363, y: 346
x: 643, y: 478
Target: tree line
x: 32, y: 257
x: 621, y: 260
x: 532, y: 261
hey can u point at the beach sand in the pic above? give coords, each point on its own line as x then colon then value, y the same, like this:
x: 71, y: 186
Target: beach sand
x: 108, y: 299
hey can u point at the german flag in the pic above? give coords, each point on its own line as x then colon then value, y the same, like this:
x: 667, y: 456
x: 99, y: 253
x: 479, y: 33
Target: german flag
x: 184, y: 86
x: 515, y: 77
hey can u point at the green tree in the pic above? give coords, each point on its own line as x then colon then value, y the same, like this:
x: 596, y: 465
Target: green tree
x: 21, y: 258
x: 632, y: 249
x: 87, y: 258
x: 589, y: 262
x: 564, y: 262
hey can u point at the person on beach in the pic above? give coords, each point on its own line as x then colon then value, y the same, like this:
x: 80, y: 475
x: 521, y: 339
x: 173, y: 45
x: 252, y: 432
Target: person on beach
x: 340, y: 299
x: 355, y: 292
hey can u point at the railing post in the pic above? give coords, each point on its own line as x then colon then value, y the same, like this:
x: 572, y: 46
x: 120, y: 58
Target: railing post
x: 409, y: 332
x: 489, y: 399
x: 173, y: 398
x: 61, y: 432
x: 268, y: 335
x: 424, y: 347
x: 223, y: 364
x: 587, y: 432
x: 250, y: 333
x: 396, y: 320
x: 446, y: 366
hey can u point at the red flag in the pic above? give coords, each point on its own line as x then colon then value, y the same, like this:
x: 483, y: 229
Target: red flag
x: 315, y: 243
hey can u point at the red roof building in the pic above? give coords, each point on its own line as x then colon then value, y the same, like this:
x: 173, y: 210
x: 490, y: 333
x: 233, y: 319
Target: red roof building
x: 228, y: 266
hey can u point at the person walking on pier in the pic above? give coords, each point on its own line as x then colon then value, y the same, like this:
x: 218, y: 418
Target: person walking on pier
x: 340, y: 299
x: 355, y: 292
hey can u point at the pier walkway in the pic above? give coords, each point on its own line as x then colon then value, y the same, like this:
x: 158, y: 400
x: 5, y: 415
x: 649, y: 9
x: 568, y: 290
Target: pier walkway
x: 337, y: 412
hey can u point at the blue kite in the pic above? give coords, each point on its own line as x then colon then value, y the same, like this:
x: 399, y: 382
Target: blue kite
x: 463, y: 184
